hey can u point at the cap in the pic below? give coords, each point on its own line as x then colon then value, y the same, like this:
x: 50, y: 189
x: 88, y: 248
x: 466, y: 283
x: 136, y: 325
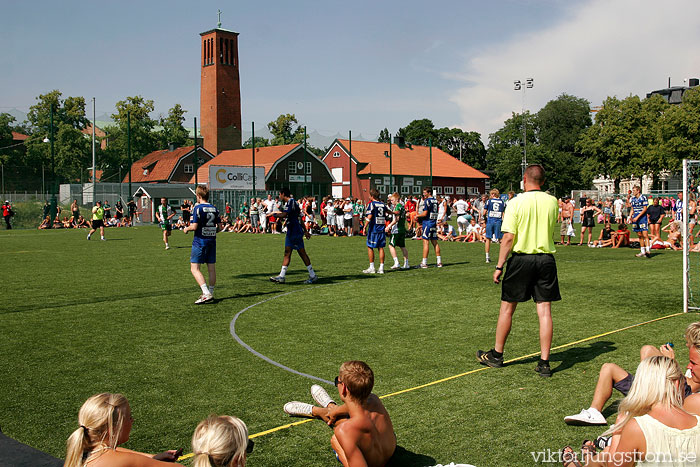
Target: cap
x: 348, y: 199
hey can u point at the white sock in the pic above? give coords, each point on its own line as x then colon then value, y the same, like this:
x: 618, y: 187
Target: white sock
x: 425, y: 261
x: 487, y: 256
x: 644, y: 250
x: 439, y: 259
x: 371, y: 265
x: 283, y: 272
x: 405, y: 262
x: 311, y: 271
x: 211, y: 289
x: 396, y: 260
x: 167, y: 244
x: 102, y: 237
x: 205, y: 289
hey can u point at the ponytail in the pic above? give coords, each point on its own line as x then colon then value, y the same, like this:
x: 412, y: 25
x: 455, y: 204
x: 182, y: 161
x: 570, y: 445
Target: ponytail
x: 76, y: 446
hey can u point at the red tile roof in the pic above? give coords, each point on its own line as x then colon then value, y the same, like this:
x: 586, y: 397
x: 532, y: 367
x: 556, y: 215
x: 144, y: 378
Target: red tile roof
x: 160, y: 165
x: 265, y: 156
x: 19, y: 136
x: 411, y: 162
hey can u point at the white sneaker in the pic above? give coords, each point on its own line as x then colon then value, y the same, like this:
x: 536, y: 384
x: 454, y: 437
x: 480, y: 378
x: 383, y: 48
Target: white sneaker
x: 167, y: 247
x: 204, y: 298
x: 321, y: 396
x: 439, y: 265
x: 381, y: 271
x: 88, y: 237
x: 423, y: 266
x: 278, y: 279
x: 405, y: 266
x: 311, y: 280
x: 488, y: 260
x: 586, y: 418
x: 369, y: 271
x: 395, y: 266
x: 298, y: 409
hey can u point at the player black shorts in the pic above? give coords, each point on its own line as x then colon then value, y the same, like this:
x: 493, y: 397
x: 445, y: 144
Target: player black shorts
x: 530, y: 277
x: 97, y: 223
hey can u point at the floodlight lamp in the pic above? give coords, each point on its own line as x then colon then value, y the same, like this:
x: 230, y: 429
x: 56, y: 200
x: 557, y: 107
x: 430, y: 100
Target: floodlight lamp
x: 530, y: 83
x: 517, y: 85
x: 46, y: 140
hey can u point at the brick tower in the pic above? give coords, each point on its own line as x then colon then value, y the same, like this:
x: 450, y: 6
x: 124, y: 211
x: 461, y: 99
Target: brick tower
x: 220, y: 91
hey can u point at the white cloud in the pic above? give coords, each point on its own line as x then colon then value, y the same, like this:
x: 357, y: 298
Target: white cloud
x: 602, y: 48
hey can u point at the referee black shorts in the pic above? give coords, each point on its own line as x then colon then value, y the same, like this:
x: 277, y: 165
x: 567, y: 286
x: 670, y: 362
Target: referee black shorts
x: 530, y: 277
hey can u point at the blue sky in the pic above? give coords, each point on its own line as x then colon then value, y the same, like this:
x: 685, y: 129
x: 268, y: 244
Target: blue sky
x: 358, y: 66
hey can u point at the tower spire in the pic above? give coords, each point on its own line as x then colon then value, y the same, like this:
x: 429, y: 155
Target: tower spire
x: 218, y: 25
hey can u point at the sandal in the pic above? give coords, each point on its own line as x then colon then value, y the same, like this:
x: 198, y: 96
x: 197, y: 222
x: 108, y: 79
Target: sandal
x: 568, y: 457
x: 589, y: 447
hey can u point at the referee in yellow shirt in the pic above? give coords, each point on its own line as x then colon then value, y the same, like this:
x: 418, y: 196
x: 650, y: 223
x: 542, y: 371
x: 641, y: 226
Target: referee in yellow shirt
x: 531, y: 272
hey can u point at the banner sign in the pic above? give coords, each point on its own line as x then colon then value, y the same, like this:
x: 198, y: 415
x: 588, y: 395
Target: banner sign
x: 235, y: 178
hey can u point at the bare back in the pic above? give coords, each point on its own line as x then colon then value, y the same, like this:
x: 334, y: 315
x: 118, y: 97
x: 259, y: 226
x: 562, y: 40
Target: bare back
x: 369, y: 433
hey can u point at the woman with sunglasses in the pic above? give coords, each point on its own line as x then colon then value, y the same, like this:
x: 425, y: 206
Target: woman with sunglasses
x: 105, y: 423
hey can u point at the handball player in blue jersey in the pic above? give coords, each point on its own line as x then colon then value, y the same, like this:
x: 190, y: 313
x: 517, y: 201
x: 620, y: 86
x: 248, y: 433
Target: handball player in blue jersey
x: 428, y: 215
x: 376, y: 236
x: 639, y: 220
x: 296, y: 231
x: 205, y: 223
x: 493, y: 212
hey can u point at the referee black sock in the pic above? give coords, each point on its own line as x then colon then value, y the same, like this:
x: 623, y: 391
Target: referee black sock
x: 496, y: 354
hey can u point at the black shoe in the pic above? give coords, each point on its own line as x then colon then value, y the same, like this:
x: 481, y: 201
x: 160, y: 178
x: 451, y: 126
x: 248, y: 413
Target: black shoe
x: 648, y: 255
x: 489, y: 359
x: 543, y: 369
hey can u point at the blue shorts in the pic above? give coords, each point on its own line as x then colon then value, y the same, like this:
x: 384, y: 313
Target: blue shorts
x: 203, y: 253
x: 493, y: 229
x: 642, y: 225
x: 376, y: 239
x: 295, y: 242
x: 429, y: 231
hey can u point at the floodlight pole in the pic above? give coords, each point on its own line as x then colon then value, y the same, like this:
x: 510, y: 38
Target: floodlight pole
x: 350, y: 160
x: 685, y: 236
x: 94, y: 169
x: 529, y: 84
x: 54, y: 203
x: 430, y: 149
x: 391, y: 169
x: 128, y: 151
x: 196, y: 169
x: 253, y: 140
x: 304, y: 171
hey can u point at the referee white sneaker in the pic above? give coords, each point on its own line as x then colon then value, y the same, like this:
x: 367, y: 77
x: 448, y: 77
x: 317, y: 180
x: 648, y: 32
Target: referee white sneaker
x: 298, y: 409
x: 321, y: 396
x: 369, y: 271
x: 586, y: 417
x: 204, y: 298
x: 278, y: 279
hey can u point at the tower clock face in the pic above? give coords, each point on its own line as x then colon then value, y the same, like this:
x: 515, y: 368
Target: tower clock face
x: 300, y: 165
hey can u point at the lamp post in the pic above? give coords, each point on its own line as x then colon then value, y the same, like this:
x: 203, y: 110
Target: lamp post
x: 518, y: 86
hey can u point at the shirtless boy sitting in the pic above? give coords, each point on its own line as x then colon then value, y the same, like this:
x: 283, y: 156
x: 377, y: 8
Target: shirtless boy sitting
x: 362, y: 431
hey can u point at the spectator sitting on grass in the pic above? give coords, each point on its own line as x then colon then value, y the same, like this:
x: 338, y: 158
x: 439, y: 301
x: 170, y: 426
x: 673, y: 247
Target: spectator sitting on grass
x: 446, y: 232
x: 46, y: 223
x: 221, y: 441
x: 82, y: 223
x: 605, y: 238
x: 653, y: 428
x: 673, y: 241
x: 612, y: 376
x: 105, y: 422
x: 67, y: 224
x: 362, y: 430
x: 471, y: 234
x: 621, y: 236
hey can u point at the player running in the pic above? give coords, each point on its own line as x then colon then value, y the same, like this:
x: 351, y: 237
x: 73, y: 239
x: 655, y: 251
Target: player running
x: 205, y: 223
x: 98, y: 221
x: 639, y: 220
x: 493, y: 212
x: 397, y: 228
x: 296, y: 231
x: 164, y: 214
x: 376, y: 238
x: 429, y: 215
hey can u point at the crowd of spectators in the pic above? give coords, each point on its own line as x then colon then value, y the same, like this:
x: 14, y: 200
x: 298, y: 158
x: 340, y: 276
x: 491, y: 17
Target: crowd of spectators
x: 118, y: 218
x: 618, y: 210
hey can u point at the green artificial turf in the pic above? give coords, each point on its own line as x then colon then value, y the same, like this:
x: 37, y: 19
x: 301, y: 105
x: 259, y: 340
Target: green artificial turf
x: 81, y: 317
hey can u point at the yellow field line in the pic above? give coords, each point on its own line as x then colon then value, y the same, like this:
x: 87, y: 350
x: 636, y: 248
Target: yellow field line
x: 432, y: 383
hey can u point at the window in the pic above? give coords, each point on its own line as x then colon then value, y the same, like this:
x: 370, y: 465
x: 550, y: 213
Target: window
x: 189, y: 168
x: 437, y: 190
x: 377, y: 181
x: 308, y: 168
x: 144, y: 202
x: 337, y: 174
x: 394, y: 189
x: 449, y: 190
x: 472, y: 190
x: 460, y: 190
x: 174, y: 203
x: 416, y: 190
x: 405, y: 190
x: 292, y: 166
x: 382, y: 189
x: 336, y: 154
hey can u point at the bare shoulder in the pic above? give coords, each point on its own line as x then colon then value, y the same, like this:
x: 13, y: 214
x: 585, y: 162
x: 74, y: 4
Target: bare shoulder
x: 692, y: 404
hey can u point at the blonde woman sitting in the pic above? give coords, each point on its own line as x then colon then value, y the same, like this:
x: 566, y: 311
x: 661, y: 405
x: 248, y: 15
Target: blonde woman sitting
x: 105, y: 423
x: 221, y: 441
x: 653, y: 429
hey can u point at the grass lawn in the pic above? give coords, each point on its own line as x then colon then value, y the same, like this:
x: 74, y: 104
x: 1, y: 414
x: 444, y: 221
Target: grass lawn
x: 81, y: 317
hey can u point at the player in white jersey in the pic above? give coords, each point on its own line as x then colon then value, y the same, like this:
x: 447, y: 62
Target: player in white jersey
x: 461, y: 207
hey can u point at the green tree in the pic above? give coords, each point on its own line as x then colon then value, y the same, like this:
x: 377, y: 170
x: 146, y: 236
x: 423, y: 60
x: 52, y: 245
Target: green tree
x: 284, y: 132
x: 259, y: 142
x: 679, y: 129
x: 384, y: 136
x: 172, y: 129
x: 466, y: 146
x: 419, y: 132
x: 71, y: 147
x: 6, y: 140
x: 505, y: 153
x: 143, y: 139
